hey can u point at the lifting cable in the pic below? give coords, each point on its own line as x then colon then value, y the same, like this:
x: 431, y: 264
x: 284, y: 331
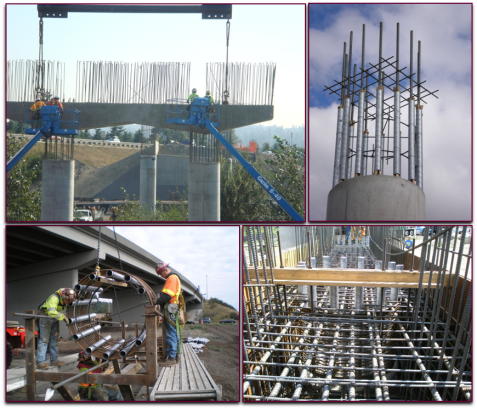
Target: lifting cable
x: 121, y: 265
x: 98, y: 268
x: 226, y: 92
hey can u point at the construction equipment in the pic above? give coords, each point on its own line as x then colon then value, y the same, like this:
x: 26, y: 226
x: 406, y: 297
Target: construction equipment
x: 15, y: 339
x: 50, y: 123
x: 206, y: 116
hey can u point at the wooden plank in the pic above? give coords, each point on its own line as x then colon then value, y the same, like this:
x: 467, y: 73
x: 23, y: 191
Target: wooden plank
x: 184, y: 377
x: 201, y: 380
x: 190, y: 375
x: 66, y: 393
x: 177, y: 381
x: 30, y: 359
x: 348, y: 277
x: 151, y: 347
x: 112, y: 283
x: 135, y: 380
x: 126, y: 390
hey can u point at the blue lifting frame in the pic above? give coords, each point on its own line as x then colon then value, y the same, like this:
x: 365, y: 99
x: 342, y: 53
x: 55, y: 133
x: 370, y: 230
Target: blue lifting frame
x: 48, y: 124
x: 202, y: 114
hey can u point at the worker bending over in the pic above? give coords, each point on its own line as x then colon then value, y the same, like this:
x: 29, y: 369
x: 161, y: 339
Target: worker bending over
x: 54, y: 306
x: 95, y: 391
x: 169, y: 302
x: 56, y: 101
x: 36, y: 107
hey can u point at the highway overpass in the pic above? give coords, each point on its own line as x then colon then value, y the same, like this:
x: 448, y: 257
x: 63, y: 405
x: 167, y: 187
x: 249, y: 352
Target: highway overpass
x: 42, y: 259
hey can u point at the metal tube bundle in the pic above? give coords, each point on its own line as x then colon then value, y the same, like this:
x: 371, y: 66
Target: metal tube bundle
x: 113, y: 349
x: 116, y: 276
x: 82, y: 318
x: 91, y: 289
x: 140, y: 339
x: 85, y: 333
x: 98, y: 344
x: 125, y: 351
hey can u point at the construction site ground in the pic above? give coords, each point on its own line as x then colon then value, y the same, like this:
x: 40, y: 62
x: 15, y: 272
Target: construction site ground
x: 220, y: 357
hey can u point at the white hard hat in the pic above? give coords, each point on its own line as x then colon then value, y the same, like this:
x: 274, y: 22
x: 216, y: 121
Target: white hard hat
x: 57, y: 97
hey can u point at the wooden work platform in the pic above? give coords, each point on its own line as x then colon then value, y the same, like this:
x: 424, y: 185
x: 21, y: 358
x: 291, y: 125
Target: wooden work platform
x: 188, y: 380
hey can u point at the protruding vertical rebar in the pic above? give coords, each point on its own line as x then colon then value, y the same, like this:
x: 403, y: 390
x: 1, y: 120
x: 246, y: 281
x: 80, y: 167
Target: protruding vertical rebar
x: 339, y: 135
x: 364, y: 165
x: 358, y: 302
x: 343, y: 75
x: 419, y: 139
x: 379, y: 130
x: 359, y: 136
x: 412, y: 120
x: 349, y: 61
x: 397, y: 115
x: 349, y: 164
x: 362, y: 56
x: 344, y: 138
x: 380, y: 52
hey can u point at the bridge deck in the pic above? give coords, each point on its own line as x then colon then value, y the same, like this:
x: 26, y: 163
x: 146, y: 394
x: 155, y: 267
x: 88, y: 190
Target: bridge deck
x: 188, y: 380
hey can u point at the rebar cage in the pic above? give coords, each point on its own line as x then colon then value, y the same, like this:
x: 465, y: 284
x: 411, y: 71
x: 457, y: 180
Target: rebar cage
x: 86, y: 329
x: 378, y: 341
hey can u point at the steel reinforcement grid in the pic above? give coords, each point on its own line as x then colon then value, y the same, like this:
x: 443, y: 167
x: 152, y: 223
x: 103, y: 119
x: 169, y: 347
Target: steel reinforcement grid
x: 405, y: 342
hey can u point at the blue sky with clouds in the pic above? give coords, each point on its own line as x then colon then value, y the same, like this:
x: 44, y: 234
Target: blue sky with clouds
x: 445, y: 34
x: 196, y: 252
x: 258, y: 34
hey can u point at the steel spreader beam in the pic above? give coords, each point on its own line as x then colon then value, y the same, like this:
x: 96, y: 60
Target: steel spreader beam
x: 257, y: 176
x: 208, y: 11
x: 23, y: 151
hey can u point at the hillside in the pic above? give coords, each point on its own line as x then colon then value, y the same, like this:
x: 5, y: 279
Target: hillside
x: 98, y: 157
x: 217, y: 312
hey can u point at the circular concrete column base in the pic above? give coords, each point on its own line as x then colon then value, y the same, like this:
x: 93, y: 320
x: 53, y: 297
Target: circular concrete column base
x: 376, y: 198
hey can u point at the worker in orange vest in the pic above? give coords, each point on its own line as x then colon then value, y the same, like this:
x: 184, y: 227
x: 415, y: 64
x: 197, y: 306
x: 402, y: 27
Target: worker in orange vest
x: 169, y: 302
x: 56, y: 101
x: 36, y: 108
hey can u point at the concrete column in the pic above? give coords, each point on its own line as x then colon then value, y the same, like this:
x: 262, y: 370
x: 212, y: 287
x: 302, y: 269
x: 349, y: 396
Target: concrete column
x: 147, y: 181
x: 57, y: 199
x: 373, y: 198
x: 35, y: 290
x: 204, y: 191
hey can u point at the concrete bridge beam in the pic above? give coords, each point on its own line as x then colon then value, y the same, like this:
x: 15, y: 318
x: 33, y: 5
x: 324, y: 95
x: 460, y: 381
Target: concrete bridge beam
x: 100, y: 115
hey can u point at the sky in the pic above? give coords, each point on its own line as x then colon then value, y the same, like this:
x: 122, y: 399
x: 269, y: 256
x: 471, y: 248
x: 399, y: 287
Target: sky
x: 200, y: 253
x: 258, y: 34
x: 445, y: 34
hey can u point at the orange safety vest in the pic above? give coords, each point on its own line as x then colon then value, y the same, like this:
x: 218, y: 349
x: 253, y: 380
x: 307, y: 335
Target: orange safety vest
x: 37, y: 105
x: 173, y: 288
x: 59, y: 104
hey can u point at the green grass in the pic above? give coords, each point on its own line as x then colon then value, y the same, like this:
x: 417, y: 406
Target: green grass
x: 214, y: 348
x: 197, y: 327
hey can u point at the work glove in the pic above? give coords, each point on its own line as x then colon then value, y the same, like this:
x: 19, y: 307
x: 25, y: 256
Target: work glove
x: 67, y: 321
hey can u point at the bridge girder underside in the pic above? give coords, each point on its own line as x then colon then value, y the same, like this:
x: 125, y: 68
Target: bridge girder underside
x: 101, y: 115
